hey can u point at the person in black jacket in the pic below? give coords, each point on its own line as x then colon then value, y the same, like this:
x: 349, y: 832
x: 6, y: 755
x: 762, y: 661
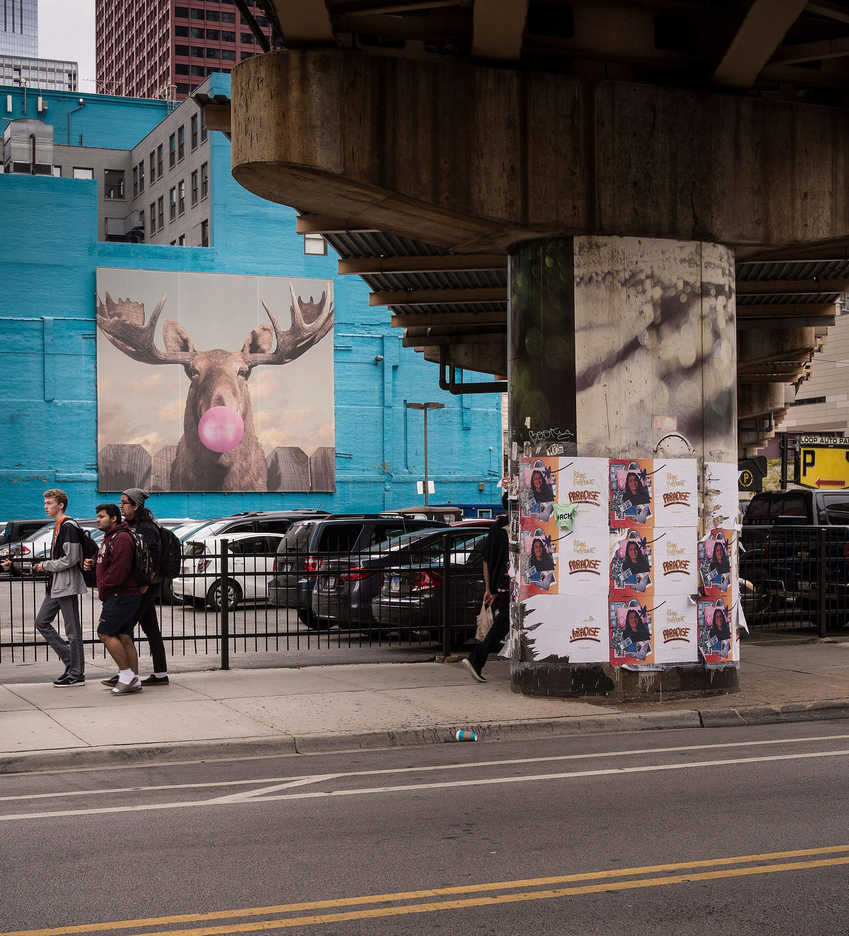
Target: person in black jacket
x: 140, y: 519
x: 496, y: 595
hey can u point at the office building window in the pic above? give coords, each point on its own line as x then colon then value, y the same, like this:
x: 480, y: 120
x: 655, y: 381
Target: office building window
x: 228, y: 17
x: 228, y: 36
x: 141, y: 177
x: 194, y: 131
x: 83, y: 172
x: 228, y: 54
x: 141, y: 222
x: 173, y: 243
x: 172, y: 203
x: 204, y: 233
x: 172, y: 150
x: 202, y: 125
x: 213, y: 53
x: 182, y: 88
x: 212, y: 16
x: 196, y: 32
x: 212, y: 34
x: 160, y: 207
x: 194, y: 188
x: 181, y: 240
x: 181, y: 141
x: 57, y: 171
x: 181, y: 11
x: 197, y: 52
x: 181, y: 31
x: 315, y: 245
x: 159, y: 160
x: 181, y: 196
x: 153, y: 217
x: 181, y: 69
x: 197, y: 14
x: 204, y: 180
x: 113, y: 184
x: 135, y: 181
x: 152, y: 166
x: 181, y: 50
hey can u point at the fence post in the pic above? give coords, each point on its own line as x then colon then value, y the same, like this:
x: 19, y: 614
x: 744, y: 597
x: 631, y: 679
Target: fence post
x: 446, y: 633
x: 821, y: 574
x: 225, y: 607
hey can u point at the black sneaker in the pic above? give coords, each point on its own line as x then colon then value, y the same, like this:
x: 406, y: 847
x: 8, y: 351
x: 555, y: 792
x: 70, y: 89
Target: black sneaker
x: 63, y: 682
x: 154, y: 680
x: 471, y: 668
x: 112, y: 681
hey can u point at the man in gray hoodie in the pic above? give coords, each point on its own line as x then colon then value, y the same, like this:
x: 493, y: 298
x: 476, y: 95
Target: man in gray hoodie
x: 64, y: 586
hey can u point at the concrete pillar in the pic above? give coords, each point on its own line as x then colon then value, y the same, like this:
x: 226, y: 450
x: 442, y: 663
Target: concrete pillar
x: 622, y: 349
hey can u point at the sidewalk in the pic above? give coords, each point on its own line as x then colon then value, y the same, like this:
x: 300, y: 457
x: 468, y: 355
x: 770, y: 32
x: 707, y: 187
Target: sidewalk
x: 308, y: 709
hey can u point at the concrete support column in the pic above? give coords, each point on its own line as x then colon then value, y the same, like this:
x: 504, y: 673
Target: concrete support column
x: 621, y: 348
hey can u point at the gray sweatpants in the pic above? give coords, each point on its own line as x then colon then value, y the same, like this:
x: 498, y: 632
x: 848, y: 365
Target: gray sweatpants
x: 69, y: 651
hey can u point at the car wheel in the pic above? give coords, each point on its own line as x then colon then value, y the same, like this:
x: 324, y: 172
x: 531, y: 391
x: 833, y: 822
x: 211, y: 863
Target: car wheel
x: 215, y: 595
x: 309, y: 619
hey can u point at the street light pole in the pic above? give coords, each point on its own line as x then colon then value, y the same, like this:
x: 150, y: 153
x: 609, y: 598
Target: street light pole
x: 425, y: 407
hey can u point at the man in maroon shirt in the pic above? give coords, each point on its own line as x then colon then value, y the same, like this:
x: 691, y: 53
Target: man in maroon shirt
x: 120, y: 594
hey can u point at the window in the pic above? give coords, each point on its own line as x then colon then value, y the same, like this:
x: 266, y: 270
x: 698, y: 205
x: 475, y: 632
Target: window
x: 213, y: 53
x: 228, y: 17
x: 181, y: 69
x: 204, y: 233
x: 135, y: 181
x: 228, y: 54
x: 838, y: 511
x: 202, y: 125
x: 181, y: 240
x: 181, y: 196
x: 141, y: 222
x: 198, y: 70
x: 196, y: 32
x: 173, y: 243
x: 160, y: 205
x: 181, y: 11
x: 83, y: 172
x: 159, y: 160
x: 246, y: 54
x: 197, y: 14
x: 182, y: 88
x: 181, y: 50
x: 181, y: 31
x: 194, y: 131
x: 153, y: 217
x: 247, y: 39
x: 172, y: 203
x: 196, y: 52
x: 204, y: 180
x: 212, y: 16
x: 194, y: 188
x: 212, y: 34
x: 113, y: 184
x: 181, y: 141
x: 172, y: 150
x: 228, y: 36
x: 315, y: 245
x: 57, y: 171
x: 152, y: 166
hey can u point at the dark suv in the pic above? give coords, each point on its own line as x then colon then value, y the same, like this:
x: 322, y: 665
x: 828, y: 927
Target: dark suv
x: 340, y: 539
x: 254, y: 521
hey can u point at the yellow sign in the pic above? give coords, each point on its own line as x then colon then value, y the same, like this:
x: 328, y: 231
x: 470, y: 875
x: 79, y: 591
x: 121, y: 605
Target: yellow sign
x: 824, y: 469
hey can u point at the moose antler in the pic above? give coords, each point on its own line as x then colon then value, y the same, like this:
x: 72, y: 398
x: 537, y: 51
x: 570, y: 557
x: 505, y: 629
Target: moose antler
x: 301, y: 336
x: 123, y: 324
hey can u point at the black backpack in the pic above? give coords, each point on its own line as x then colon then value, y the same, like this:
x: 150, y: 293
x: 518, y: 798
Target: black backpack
x: 142, y: 570
x: 89, y: 552
x: 170, y: 554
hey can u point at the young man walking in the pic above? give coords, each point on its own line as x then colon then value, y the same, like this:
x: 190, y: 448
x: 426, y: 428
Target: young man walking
x: 140, y: 519
x: 121, y: 596
x: 64, y: 586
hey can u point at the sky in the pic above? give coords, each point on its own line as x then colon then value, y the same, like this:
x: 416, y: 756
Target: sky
x: 66, y: 31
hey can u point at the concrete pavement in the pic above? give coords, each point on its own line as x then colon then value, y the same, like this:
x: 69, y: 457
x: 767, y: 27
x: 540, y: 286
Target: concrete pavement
x: 259, y: 709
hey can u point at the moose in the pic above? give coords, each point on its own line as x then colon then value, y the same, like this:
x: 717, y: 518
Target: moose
x: 219, y: 450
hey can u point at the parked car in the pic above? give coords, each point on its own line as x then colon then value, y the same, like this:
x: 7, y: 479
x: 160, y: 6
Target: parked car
x: 413, y: 587
x: 38, y: 546
x: 14, y: 531
x: 254, y: 521
x: 309, y: 544
x: 344, y: 591
x: 251, y: 557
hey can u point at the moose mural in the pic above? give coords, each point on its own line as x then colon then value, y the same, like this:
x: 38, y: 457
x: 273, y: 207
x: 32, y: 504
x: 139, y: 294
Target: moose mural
x: 219, y: 449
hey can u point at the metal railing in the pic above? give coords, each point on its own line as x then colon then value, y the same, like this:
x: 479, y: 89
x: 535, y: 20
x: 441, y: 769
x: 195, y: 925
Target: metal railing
x: 228, y: 601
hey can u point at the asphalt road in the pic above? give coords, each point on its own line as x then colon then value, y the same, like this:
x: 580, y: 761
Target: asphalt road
x: 721, y: 831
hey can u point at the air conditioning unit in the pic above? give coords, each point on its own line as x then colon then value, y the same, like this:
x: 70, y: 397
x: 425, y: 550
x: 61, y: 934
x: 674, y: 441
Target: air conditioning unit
x: 42, y: 105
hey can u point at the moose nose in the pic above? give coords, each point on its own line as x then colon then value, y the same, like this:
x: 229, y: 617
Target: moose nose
x: 221, y: 429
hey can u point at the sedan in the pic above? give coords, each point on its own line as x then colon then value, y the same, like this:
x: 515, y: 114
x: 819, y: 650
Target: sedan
x: 250, y: 558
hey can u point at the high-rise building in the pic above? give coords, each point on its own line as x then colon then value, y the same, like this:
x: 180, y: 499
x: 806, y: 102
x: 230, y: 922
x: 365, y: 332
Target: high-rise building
x: 43, y: 74
x: 166, y: 48
x: 19, y: 28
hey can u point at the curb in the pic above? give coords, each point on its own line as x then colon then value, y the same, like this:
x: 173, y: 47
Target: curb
x: 288, y: 745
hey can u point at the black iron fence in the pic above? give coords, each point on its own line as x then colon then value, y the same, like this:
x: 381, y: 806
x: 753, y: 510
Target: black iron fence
x: 244, y: 596
x: 795, y: 578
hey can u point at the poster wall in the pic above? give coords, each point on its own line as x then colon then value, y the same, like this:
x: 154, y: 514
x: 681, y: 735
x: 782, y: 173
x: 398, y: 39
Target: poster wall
x: 214, y: 382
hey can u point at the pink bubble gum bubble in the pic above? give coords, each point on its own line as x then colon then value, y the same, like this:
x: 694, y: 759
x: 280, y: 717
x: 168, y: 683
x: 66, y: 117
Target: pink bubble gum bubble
x: 221, y: 429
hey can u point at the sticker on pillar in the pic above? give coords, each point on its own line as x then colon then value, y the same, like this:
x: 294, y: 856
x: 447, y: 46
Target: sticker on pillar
x: 716, y: 562
x: 720, y: 495
x: 676, y: 562
x: 631, y: 633
x: 676, y: 493
x: 588, y: 632
x: 631, y: 487
x: 538, y: 564
x: 538, y: 492
x: 584, y: 558
x: 716, y: 641
x: 676, y: 630
x: 583, y: 483
x: 631, y: 569
x: 549, y: 621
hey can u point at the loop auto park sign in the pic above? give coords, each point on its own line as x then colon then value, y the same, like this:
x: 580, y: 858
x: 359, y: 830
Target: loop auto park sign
x: 822, y: 462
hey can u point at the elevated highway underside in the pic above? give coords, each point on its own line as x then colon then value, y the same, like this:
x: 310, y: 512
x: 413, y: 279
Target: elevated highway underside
x: 426, y: 139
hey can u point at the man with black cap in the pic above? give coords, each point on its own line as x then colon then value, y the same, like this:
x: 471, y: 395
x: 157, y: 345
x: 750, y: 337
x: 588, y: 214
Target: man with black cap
x: 140, y: 519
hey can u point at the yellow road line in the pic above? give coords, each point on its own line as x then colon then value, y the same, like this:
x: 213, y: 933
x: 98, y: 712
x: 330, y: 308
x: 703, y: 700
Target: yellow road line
x: 460, y: 889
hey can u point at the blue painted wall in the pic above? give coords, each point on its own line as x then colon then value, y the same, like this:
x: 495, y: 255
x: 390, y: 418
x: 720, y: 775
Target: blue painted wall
x: 48, y: 257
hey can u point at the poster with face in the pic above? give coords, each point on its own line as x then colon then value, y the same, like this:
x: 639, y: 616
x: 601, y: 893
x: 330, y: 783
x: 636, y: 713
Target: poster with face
x: 631, y: 486
x: 584, y: 560
x: 676, y: 493
x: 583, y: 483
x: 720, y: 495
x: 631, y: 567
x: 538, y: 493
x: 717, y: 563
x: 631, y: 633
x: 676, y: 630
x: 538, y: 563
x: 717, y: 641
x: 676, y: 564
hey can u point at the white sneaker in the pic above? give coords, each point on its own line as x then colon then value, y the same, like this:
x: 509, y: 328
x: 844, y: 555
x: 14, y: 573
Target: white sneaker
x: 124, y: 688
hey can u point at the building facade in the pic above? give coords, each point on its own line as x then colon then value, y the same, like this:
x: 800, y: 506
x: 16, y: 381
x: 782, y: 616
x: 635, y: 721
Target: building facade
x: 42, y: 74
x: 19, y: 28
x: 166, y: 48
x: 60, y: 220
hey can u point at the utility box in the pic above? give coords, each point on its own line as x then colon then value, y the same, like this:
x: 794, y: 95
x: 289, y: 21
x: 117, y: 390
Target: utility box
x: 28, y: 147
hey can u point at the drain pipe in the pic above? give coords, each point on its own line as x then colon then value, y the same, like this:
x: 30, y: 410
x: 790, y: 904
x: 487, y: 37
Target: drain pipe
x: 453, y: 386
x: 73, y: 111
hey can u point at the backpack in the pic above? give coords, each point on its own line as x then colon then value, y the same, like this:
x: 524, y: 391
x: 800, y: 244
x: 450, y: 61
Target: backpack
x: 142, y: 570
x: 170, y: 554
x: 89, y: 552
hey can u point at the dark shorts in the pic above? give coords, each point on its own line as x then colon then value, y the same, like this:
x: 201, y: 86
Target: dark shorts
x: 119, y: 615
